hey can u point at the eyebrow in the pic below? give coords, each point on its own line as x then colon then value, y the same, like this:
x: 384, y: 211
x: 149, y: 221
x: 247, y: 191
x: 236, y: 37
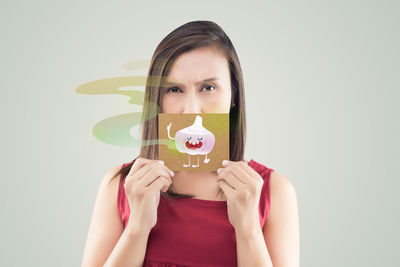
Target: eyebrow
x: 171, y: 82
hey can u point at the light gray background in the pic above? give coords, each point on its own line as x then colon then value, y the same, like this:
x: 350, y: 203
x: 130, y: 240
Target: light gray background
x: 321, y: 89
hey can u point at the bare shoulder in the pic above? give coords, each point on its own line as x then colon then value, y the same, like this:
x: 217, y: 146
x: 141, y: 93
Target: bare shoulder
x: 280, y: 186
x: 110, y: 175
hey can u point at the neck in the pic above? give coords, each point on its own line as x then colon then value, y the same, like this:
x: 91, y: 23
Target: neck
x: 198, y: 183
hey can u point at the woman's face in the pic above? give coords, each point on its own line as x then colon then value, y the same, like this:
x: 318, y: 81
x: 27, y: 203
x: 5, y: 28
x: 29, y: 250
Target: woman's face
x: 188, y: 88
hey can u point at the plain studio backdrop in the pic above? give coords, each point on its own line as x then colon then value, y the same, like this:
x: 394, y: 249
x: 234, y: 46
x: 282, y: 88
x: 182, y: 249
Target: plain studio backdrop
x: 321, y: 82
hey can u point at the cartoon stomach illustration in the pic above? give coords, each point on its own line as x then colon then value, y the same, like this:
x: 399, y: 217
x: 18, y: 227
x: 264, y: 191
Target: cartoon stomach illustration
x: 194, y: 140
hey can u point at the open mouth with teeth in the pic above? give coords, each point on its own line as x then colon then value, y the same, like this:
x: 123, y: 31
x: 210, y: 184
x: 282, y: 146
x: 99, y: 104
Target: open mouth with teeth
x: 193, y: 145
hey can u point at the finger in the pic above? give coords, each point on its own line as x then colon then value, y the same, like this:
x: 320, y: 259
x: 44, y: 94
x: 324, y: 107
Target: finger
x: 159, y: 183
x: 139, y: 163
x: 231, y: 169
x: 241, y: 170
x: 231, y: 179
x: 150, y: 166
x: 240, y: 173
x: 152, y: 175
x: 226, y: 188
x: 245, y: 167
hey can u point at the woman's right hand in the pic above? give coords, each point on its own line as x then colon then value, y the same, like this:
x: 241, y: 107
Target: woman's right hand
x: 142, y: 185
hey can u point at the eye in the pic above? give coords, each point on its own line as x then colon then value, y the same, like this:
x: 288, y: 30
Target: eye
x: 200, y: 138
x: 172, y: 88
x: 189, y: 138
x: 208, y: 86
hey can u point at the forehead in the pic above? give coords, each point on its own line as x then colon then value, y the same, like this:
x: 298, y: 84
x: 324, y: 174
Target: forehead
x: 199, y: 64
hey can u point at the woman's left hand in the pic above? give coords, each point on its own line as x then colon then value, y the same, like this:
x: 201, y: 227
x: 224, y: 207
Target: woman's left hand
x: 242, y: 188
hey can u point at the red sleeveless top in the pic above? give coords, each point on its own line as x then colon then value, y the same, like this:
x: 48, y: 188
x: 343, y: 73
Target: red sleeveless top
x: 194, y: 232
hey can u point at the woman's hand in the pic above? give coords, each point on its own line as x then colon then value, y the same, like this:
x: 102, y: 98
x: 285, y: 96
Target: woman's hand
x: 242, y: 188
x: 142, y: 185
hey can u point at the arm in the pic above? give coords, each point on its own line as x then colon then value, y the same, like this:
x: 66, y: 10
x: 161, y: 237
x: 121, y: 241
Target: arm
x: 277, y: 244
x: 130, y: 249
x: 251, y: 248
x: 107, y: 240
x: 168, y: 128
x: 281, y: 230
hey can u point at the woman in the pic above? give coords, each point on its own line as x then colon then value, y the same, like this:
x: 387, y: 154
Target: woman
x: 194, y: 218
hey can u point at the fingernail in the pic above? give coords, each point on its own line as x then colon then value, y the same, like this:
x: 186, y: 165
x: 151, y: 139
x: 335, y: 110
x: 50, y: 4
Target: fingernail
x: 172, y: 173
x: 161, y: 162
x: 218, y: 170
x: 224, y: 163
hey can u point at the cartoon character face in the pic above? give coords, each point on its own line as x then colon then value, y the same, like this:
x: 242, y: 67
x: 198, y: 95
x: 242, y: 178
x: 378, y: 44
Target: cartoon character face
x: 195, y: 139
x: 194, y: 144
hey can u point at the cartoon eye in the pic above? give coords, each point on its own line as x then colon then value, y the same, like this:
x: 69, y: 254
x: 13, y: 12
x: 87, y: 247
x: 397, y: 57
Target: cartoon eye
x: 189, y: 138
x: 200, y: 138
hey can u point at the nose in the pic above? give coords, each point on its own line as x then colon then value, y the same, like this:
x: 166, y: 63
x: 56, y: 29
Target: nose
x: 191, y: 104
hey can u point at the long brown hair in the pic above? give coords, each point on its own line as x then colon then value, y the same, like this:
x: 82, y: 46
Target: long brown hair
x: 189, y: 36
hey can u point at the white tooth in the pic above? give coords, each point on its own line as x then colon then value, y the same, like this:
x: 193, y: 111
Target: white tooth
x: 197, y: 142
